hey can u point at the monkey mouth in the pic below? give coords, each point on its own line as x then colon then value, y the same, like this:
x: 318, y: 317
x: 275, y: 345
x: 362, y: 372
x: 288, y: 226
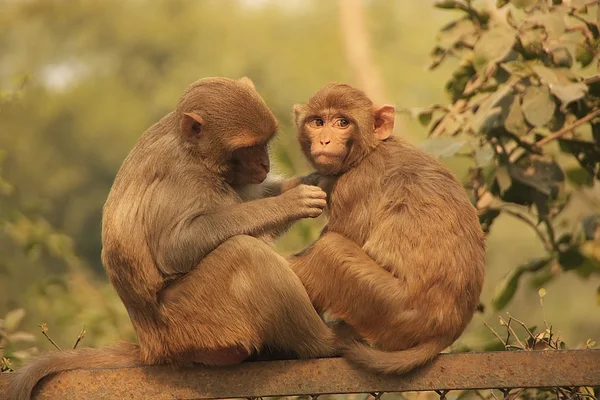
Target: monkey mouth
x: 258, y: 179
x: 326, y: 155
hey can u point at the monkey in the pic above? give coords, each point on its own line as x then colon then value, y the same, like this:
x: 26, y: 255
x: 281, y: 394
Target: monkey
x: 401, y: 259
x: 185, y: 232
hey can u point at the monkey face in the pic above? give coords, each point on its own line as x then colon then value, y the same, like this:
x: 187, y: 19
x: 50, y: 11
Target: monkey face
x: 339, y: 126
x: 250, y: 165
x: 327, y: 140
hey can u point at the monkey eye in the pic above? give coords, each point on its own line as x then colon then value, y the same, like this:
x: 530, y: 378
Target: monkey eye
x: 342, y: 122
x: 318, y: 122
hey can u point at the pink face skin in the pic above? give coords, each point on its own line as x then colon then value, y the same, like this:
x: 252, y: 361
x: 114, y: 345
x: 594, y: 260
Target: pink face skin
x: 251, y: 165
x: 329, y: 133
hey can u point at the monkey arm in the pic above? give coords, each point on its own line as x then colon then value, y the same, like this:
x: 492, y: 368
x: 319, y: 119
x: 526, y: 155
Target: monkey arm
x: 335, y: 270
x: 183, y: 245
x: 274, y: 185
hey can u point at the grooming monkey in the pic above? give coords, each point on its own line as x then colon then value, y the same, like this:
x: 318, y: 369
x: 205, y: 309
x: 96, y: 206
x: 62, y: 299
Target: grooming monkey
x: 180, y: 235
x: 401, y: 260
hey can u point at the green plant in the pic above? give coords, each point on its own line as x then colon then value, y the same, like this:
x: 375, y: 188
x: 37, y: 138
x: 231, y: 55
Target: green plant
x: 525, y: 111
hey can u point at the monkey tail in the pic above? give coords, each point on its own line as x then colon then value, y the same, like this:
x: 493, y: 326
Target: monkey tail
x: 393, y: 362
x: 23, y: 381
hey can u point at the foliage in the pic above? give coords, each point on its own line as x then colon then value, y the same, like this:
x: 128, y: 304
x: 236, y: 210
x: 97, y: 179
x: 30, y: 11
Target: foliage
x: 520, y: 336
x: 31, y: 238
x: 525, y: 110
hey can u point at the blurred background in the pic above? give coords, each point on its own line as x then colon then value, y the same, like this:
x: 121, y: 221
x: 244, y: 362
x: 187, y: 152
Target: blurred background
x: 81, y: 80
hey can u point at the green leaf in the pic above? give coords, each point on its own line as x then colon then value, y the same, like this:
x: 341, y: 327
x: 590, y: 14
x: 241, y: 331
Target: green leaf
x: 561, y: 57
x: 490, y: 112
x: 515, y: 120
x: 569, y: 93
x: 517, y: 68
x: 583, y: 54
x: 503, y: 179
x: 547, y: 75
x: 493, y: 46
x: 446, y: 4
x: 457, y: 83
x: 507, y: 288
x: 553, y: 22
x: 571, y: 259
x: 483, y: 155
x: 13, y: 319
x: 424, y: 115
x: 580, y: 177
x: 586, y: 153
x: 538, y: 105
x: 442, y: 146
x: 542, y: 293
x: 531, y: 41
x: 523, y: 3
x: 590, y: 225
x: 461, y: 29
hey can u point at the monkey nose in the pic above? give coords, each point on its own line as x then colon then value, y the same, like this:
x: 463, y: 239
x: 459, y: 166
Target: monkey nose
x: 325, y: 142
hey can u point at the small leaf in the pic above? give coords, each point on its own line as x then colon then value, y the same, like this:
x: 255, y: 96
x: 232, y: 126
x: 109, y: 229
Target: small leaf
x: 503, y: 179
x: 490, y: 112
x: 515, y: 120
x: 507, y: 288
x: 483, y: 155
x: 569, y: 93
x: 13, y: 319
x: 531, y: 42
x: 580, y: 177
x: 517, y: 68
x: 442, y: 146
x: 538, y: 105
x: 446, y: 4
x: 542, y: 292
x: 547, y: 75
x: 553, y: 22
x: 561, y: 57
x: 591, y: 226
x: 493, y: 46
x: 424, y: 115
x: 571, y: 259
x: 523, y: 3
x: 583, y: 54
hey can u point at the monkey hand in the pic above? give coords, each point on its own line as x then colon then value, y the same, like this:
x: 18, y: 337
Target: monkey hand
x: 305, y: 201
x: 312, y: 179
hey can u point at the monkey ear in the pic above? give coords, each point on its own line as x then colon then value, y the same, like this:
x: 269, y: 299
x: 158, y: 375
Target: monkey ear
x: 298, y: 111
x: 384, y: 121
x: 247, y: 81
x: 191, y: 125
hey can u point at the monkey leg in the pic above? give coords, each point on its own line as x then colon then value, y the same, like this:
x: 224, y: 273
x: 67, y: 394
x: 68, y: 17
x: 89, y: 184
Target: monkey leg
x: 241, y: 298
x: 340, y: 276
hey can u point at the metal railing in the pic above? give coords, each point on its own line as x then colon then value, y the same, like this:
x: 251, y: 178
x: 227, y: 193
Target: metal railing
x: 563, y: 370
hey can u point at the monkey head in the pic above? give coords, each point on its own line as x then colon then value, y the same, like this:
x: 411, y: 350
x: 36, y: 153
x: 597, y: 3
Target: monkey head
x: 227, y: 125
x: 339, y: 126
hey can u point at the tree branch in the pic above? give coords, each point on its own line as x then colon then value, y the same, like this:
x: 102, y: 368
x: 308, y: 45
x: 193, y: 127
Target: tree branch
x: 569, y: 128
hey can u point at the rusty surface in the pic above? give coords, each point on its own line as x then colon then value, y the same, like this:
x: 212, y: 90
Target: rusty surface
x: 324, y: 376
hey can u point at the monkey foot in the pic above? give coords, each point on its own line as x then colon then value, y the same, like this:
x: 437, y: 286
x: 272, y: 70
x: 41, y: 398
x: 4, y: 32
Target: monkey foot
x: 221, y: 357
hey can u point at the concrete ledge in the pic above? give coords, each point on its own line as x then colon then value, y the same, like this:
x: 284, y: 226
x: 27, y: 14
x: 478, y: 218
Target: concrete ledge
x: 531, y: 369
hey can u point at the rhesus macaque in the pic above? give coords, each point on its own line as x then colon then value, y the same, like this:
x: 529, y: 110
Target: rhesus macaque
x: 181, y: 245
x: 401, y: 259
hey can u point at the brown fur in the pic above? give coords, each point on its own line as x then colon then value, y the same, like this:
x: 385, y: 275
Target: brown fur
x: 180, y: 242
x: 401, y: 259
